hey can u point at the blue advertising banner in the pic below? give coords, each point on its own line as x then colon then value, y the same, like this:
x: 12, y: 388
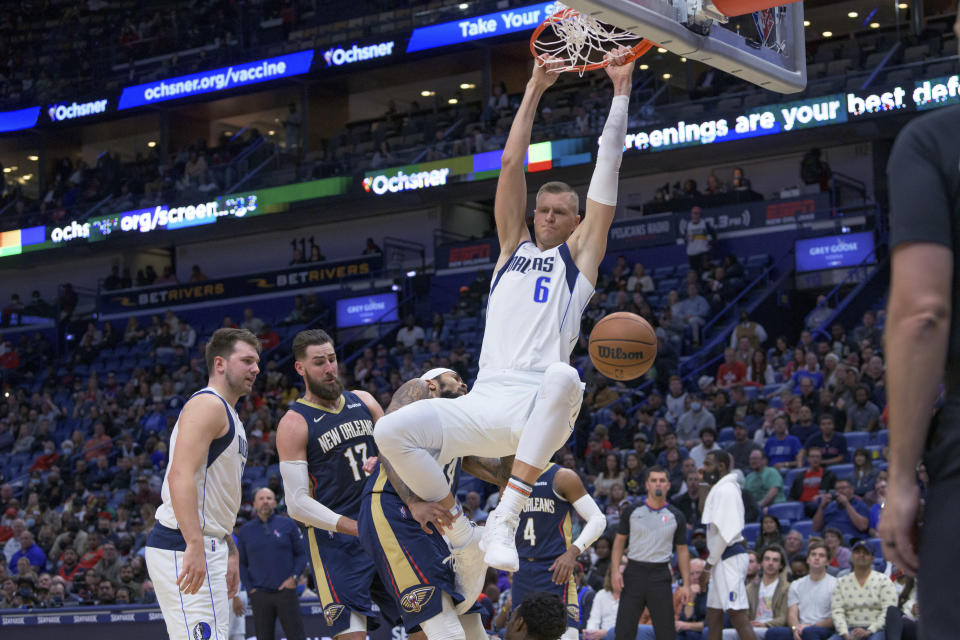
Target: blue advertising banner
x: 19, y: 119
x: 292, y: 278
x: 222, y: 79
x: 754, y: 215
x: 831, y: 252
x: 144, y: 622
x: 469, y: 253
x: 489, y: 25
x: 378, y: 307
x: 648, y: 231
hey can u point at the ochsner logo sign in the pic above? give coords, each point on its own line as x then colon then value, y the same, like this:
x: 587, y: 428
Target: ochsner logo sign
x: 386, y: 183
x: 61, y: 112
x: 338, y: 56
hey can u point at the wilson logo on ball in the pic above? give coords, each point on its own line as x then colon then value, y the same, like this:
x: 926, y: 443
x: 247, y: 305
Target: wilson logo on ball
x: 617, y: 353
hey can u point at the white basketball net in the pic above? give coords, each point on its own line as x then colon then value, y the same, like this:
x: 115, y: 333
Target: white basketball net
x: 578, y: 39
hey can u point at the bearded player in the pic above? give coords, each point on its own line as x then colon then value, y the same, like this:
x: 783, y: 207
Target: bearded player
x: 323, y: 443
x: 526, y: 396
x: 395, y: 529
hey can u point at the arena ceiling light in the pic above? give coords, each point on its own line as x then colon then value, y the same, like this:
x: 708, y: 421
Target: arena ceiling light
x: 806, y: 23
x: 666, y: 76
x: 271, y: 132
x: 464, y: 6
x: 426, y: 93
x: 33, y: 158
x: 827, y: 34
x: 661, y: 50
x: 467, y: 85
x: 853, y: 14
x: 153, y: 143
x: 644, y: 67
x: 874, y: 25
x: 903, y: 5
x: 452, y: 101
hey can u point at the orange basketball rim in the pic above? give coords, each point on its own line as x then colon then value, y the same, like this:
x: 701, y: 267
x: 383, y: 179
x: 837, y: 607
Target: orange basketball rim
x: 596, y: 40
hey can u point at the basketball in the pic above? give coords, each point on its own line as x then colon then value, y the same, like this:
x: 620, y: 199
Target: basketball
x: 623, y: 346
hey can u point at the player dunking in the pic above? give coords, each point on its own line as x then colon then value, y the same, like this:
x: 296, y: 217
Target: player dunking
x: 544, y: 540
x: 190, y: 554
x: 323, y: 442
x: 526, y: 396
x: 410, y: 563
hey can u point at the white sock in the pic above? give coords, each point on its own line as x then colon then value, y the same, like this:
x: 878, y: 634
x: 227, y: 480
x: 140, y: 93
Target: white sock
x: 514, y: 496
x: 461, y: 531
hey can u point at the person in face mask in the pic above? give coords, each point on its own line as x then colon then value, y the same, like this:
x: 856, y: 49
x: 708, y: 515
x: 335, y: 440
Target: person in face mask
x: 692, y: 422
x: 650, y: 532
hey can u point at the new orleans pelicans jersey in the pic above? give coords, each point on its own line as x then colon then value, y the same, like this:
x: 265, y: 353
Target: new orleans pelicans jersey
x: 218, y: 483
x: 534, y: 309
x: 545, y: 521
x: 338, y: 443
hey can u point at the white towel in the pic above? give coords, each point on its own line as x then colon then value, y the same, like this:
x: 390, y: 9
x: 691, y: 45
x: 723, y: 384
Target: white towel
x: 723, y: 512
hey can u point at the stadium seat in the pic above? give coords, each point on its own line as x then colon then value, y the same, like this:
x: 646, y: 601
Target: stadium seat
x: 804, y: 527
x: 792, y: 475
x: 842, y: 471
x: 725, y: 435
x: 856, y: 439
x: 877, y: 545
x: 786, y: 511
x: 880, y: 437
x: 750, y: 532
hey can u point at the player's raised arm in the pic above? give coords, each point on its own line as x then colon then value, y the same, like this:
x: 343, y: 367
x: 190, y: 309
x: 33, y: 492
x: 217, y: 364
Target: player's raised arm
x: 302, y: 506
x: 568, y: 485
x: 588, y: 244
x: 510, y: 205
x: 202, y: 420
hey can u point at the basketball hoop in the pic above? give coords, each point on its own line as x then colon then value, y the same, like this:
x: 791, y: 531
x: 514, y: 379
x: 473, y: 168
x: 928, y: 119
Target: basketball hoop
x: 581, y: 41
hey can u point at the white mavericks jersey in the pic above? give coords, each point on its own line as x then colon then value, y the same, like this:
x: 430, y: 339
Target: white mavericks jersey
x: 218, y: 482
x: 534, y: 309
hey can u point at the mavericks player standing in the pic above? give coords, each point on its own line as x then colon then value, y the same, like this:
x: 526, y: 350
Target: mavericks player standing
x: 323, y: 443
x: 191, y: 556
x: 526, y: 396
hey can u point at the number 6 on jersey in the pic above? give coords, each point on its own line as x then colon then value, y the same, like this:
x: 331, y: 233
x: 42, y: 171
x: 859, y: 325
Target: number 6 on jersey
x: 540, y: 290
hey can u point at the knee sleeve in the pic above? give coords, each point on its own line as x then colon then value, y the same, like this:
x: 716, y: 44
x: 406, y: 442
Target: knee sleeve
x: 473, y: 627
x: 406, y: 439
x: 550, y: 423
x: 446, y: 624
x: 570, y: 634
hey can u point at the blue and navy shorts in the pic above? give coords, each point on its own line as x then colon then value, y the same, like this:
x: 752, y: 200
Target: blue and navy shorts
x: 410, y: 562
x: 535, y: 575
x: 347, y: 581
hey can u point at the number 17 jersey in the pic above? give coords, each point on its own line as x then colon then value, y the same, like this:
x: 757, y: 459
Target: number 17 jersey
x: 338, y: 443
x: 534, y: 309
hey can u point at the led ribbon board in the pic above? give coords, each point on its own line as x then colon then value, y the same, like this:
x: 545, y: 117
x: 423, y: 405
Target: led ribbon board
x: 163, y: 217
x: 292, y: 64
x: 481, y: 166
x: 489, y: 25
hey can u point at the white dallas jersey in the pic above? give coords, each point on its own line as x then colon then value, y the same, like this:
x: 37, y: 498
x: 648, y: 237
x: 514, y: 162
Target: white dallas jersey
x: 218, y: 482
x: 534, y: 309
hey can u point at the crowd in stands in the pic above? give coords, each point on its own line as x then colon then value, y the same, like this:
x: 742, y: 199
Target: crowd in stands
x: 74, y: 187
x: 87, y: 438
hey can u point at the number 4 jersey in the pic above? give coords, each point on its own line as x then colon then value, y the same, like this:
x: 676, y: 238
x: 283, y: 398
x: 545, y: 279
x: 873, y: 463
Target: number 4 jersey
x: 533, y: 313
x: 338, y: 443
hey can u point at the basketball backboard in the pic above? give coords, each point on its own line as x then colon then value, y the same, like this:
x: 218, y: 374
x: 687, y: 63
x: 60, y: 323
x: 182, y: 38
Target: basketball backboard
x: 766, y: 48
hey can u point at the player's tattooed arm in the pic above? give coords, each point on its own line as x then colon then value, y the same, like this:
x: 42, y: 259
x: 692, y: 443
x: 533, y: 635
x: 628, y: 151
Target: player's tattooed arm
x: 408, y: 496
x: 408, y: 393
x: 493, y: 470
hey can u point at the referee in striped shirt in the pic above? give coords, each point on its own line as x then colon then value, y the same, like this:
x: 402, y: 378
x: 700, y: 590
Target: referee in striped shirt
x: 650, y: 532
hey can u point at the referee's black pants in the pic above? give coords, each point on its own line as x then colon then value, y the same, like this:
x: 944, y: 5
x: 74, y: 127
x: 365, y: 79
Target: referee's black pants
x: 267, y: 606
x: 645, y: 585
